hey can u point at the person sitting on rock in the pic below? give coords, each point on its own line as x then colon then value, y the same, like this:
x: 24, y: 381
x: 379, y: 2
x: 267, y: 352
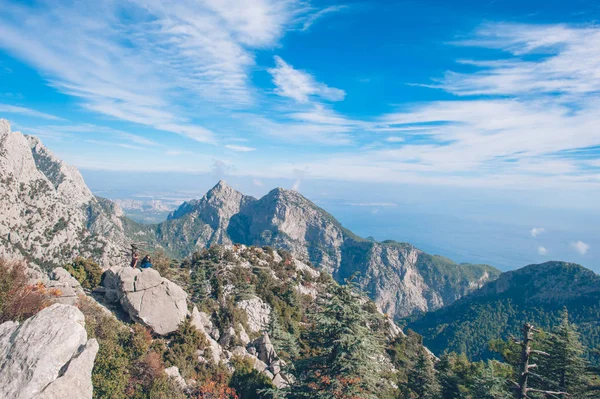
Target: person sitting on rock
x: 146, y: 262
x: 134, y: 259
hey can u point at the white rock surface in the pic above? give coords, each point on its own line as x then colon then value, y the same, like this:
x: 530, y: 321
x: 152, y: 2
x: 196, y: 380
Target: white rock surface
x: 47, y: 210
x: 48, y: 356
x: 258, y: 312
x: 203, y: 322
x: 173, y: 372
x: 147, y: 297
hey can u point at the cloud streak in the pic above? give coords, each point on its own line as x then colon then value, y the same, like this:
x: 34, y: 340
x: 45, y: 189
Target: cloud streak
x: 536, y: 231
x: 299, y: 85
x: 12, y: 109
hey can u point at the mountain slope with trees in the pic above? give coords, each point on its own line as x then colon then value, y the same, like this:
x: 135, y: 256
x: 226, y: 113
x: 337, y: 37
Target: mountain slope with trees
x: 537, y: 293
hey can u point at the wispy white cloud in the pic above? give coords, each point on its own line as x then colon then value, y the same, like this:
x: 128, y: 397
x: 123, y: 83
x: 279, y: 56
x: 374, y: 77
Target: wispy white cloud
x: 239, y: 148
x: 300, y: 85
x: 580, y: 247
x: 136, y: 60
x: 542, y: 250
x: 12, y: 109
x: 537, y: 231
x: 113, y: 144
x: 257, y: 182
x: 312, y: 18
x: 88, y: 129
x: 394, y: 139
x: 568, y: 65
x: 173, y: 153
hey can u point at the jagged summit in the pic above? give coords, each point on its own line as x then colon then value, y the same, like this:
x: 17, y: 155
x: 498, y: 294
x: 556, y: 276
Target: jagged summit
x: 220, y: 188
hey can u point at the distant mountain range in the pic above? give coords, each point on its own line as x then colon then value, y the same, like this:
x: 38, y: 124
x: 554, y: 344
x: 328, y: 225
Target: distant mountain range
x: 534, y: 293
x: 50, y: 216
x: 400, y: 278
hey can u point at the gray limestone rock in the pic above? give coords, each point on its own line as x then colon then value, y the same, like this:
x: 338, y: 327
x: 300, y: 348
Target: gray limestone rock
x: 47, y: 210
x: 173, y: 372
x: 48, y: 356
x: 147, y: 297
x: 258, y: 312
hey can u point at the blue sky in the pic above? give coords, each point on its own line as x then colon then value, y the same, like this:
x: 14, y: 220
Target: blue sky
x: 500, y: 97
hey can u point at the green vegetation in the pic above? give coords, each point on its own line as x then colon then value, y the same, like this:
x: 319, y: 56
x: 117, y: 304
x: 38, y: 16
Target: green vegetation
x: 343, y: 361
x: 86, y: 271
x: 536, y: 293
x: 128, y: 364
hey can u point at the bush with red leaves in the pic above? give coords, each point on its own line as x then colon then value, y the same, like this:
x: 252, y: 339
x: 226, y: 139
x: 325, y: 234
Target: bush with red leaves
x: 19, y: 299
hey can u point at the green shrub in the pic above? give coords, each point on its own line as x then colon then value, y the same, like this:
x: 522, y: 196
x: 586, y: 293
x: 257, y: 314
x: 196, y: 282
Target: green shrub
x: 186, y: 341
x: 248, y: 382
x: 86, y: 271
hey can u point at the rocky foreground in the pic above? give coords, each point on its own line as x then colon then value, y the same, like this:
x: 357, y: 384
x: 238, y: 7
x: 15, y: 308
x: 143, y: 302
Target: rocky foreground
x: 50, y: 356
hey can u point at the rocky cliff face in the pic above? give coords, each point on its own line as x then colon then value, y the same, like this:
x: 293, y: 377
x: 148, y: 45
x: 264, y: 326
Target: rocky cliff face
x: 399, y: 277
x: 48, y: 213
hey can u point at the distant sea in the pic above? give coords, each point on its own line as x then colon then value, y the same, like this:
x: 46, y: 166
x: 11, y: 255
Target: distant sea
x: 473, y: 239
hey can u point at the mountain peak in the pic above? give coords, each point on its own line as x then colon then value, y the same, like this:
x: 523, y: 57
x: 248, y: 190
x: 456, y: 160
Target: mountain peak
x: 222, y: 189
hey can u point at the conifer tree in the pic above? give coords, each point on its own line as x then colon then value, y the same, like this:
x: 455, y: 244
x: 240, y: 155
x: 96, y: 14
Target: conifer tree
x: 490, y: 383
x: 422, y: 383
x: 565, y: 365
x: 285, y: 343
x: 346, y: 360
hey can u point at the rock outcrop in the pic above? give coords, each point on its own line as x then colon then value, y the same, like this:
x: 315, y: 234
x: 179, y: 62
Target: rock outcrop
x: 69, y: 288
x: 258, y: 312
x: 48, y: 356
x: 48, y: 213
x: 147, y: 297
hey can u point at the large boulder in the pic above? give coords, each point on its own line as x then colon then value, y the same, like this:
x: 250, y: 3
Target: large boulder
x: 48, y: 356
x: 147, y: 297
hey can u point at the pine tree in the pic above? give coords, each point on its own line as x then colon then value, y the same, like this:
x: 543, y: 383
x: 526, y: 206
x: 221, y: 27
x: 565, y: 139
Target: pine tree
x: 422, y: 383
x: 346, y: 360
x: 285, y: 343
x: 565, y: 365
x: 447, y: 378
x: 490, y: 383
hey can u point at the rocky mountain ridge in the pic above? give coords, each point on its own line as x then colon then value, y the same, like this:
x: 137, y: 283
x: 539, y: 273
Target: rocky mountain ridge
x: 48, y: 213
x: 51, y: 217
x: 401, y: 278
